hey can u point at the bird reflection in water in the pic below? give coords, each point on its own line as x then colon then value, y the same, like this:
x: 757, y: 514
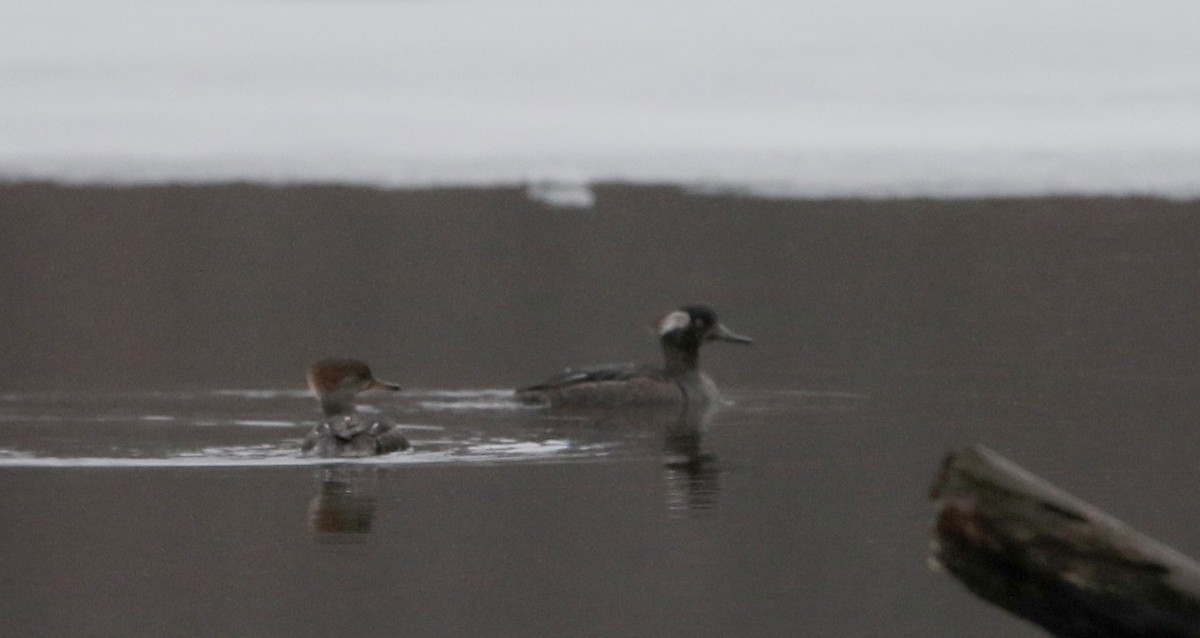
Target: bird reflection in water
x: 691, y: 476
x: 343, y: 509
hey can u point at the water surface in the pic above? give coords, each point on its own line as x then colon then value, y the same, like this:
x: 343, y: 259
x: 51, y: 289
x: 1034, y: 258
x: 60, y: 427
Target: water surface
x: 152, y: 402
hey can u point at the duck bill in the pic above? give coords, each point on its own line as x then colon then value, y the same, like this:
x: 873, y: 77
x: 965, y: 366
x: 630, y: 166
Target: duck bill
x: 721, y: 333
x: 376, y: 384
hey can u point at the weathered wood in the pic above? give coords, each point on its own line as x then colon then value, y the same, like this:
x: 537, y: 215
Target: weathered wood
x: 1040, y: 553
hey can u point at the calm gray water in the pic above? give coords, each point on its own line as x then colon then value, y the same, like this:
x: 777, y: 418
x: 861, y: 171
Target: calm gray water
x: 152, y: 401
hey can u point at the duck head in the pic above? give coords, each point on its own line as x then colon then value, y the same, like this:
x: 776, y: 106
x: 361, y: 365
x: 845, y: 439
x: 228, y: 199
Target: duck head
x: 336, y: 382
x: 683, y: 331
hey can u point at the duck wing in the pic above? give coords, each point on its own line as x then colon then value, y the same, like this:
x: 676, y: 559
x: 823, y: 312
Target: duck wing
x: 354, y: 435
x: 591, y: 374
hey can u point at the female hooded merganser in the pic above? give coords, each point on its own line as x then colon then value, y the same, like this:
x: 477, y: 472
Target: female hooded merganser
x: 681, y: 333
x: 344, y: 431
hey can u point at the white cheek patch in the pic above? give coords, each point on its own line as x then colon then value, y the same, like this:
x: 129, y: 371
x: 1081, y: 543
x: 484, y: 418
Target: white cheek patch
x: 674, y: 321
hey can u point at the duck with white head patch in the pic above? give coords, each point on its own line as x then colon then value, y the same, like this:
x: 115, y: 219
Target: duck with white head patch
x: 344, y: 431
x: 679, y: 380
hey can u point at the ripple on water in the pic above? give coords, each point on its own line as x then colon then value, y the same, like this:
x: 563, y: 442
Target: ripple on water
x: 237, y: 428
x: 462, y: 400
x: 275, y: 455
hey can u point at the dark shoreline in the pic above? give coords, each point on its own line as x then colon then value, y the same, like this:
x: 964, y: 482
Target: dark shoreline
x: 606, y: 186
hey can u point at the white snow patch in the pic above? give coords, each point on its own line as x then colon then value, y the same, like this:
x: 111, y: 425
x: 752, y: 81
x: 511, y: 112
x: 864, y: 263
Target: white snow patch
x: 833, y: 97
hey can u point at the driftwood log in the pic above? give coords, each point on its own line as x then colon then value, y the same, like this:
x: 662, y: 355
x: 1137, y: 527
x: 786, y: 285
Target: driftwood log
x: 1036, y: 551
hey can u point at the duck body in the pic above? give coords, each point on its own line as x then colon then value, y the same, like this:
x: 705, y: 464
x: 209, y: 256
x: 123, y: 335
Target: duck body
x: 344, y: 431
x: 605, y: 386
x: 678, y: 381
x: 354, y: 435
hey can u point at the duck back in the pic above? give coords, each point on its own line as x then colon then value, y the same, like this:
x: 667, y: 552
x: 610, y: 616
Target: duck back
x: 605, y: 386
x: 354, y: 435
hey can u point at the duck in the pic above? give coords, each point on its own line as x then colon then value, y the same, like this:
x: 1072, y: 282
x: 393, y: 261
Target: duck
x: 679, y: 380
x: 344, y: 431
